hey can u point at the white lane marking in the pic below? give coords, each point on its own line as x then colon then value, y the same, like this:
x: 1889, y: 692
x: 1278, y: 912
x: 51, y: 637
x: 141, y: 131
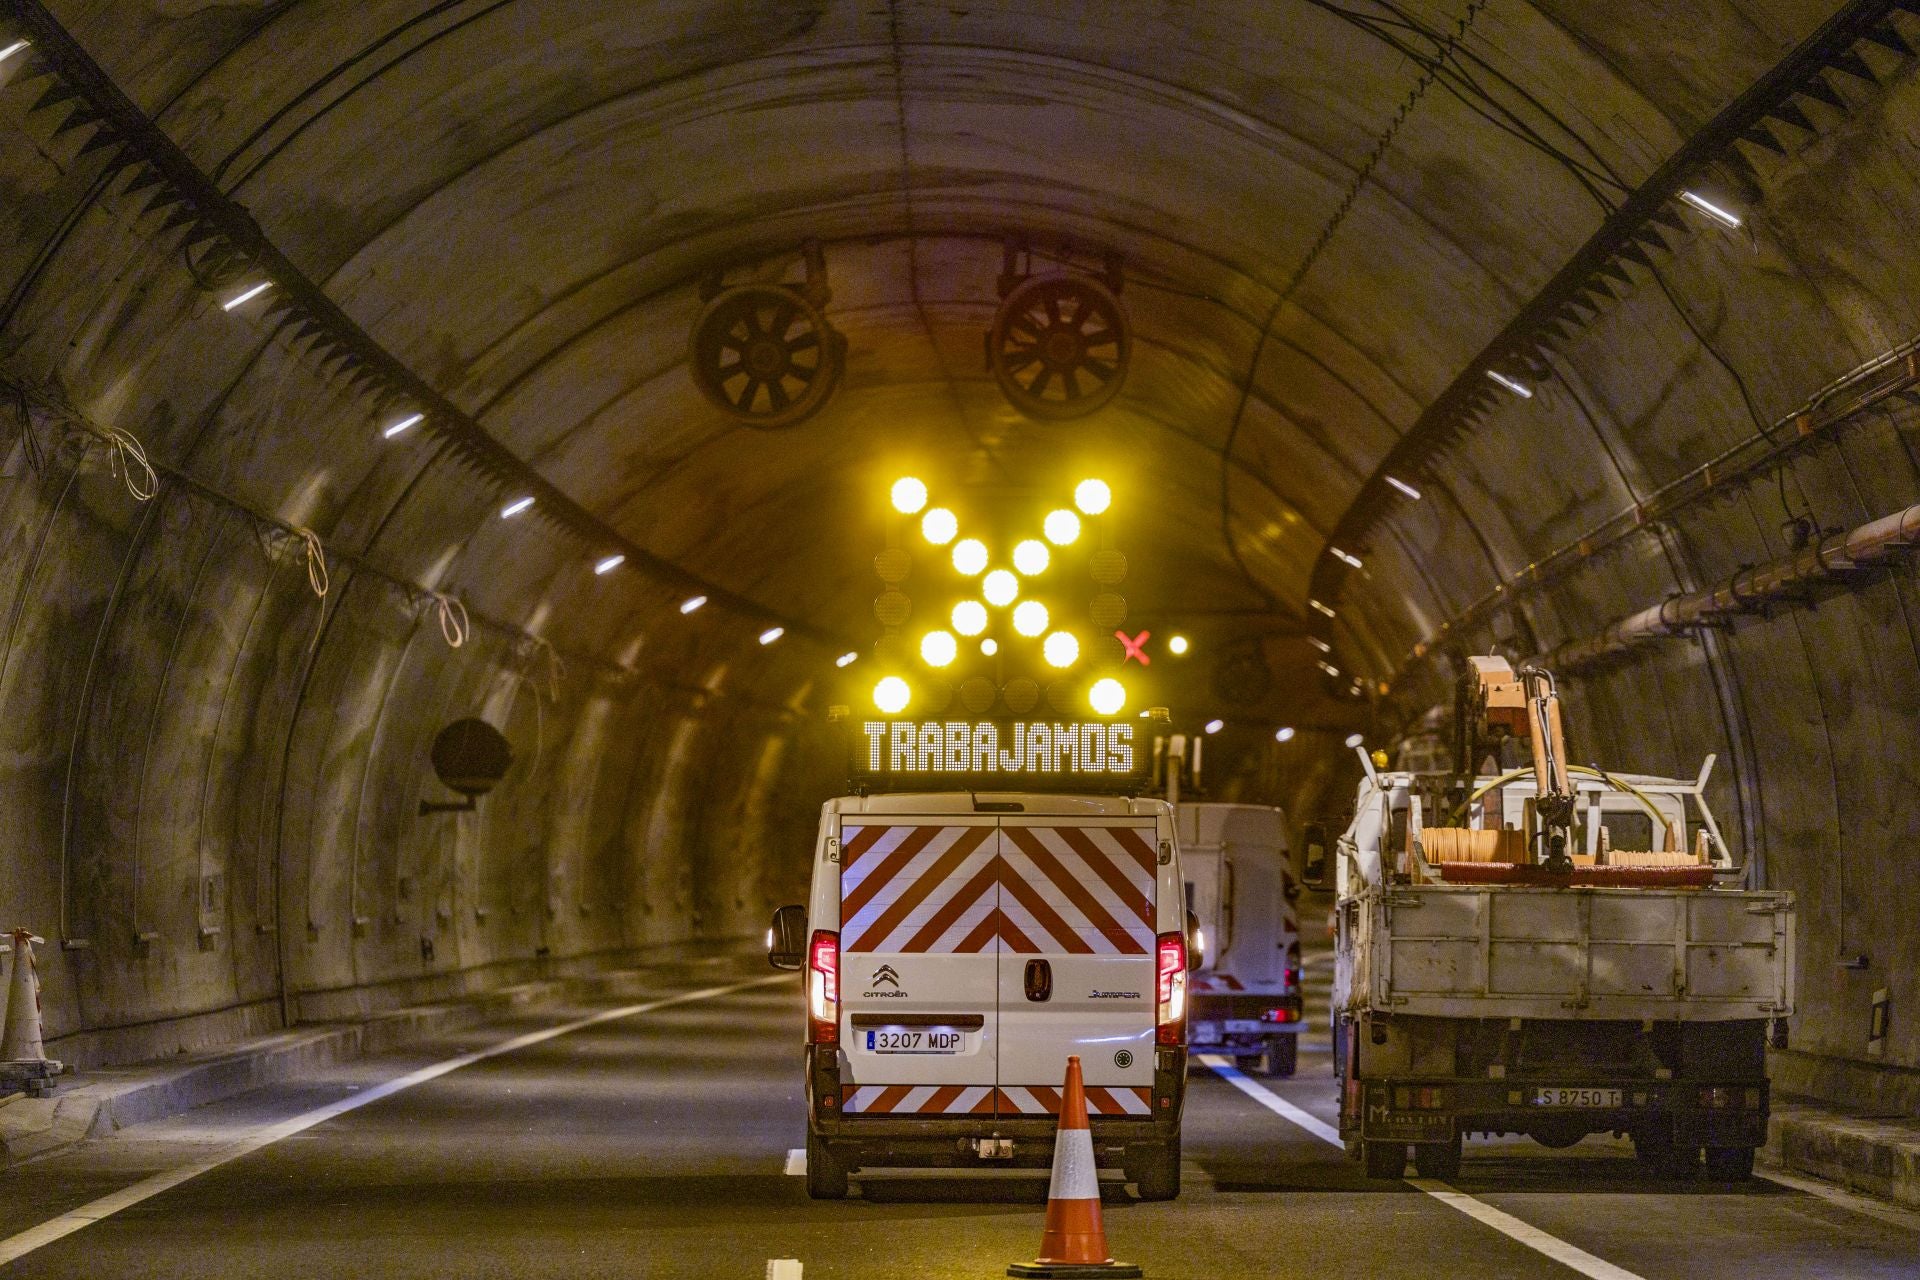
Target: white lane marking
x: 797, y: 1163
x: 1850, y: 1200
x: 783, y: 1269
x: 18, y: 1246
x: 1552, y: 1246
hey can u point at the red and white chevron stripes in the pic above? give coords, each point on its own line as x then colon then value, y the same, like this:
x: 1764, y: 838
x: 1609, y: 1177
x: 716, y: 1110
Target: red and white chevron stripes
x: 981, y: 1100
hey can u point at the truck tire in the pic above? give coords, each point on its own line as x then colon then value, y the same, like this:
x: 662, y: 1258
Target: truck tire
x: 1385, y: 1159
x: 1283, y: 1055
x: 1247, y: 1061
x: 1156, y: 1171
x: 1729, y: 1164
x: 826, y: 1174
x: 1437, y: 1159
x: 1663, y: 1157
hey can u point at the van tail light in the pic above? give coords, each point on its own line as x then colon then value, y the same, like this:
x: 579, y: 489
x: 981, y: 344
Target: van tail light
x: 823, y: 988
x: 1281, y: 1015
x: 1171, y: 966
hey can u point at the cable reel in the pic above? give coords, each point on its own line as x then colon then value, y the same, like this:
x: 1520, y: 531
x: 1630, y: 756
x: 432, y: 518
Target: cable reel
x: 764, y: 354
x: 1060, y: 343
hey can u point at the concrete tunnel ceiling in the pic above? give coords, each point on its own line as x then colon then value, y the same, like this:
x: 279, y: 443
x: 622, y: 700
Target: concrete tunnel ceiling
x: 1324, y: 215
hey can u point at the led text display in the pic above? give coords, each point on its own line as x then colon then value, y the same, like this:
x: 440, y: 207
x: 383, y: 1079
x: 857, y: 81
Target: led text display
x: 901, y: 748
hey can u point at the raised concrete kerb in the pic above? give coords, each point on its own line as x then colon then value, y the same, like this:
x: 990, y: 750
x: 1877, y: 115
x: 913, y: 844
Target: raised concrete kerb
x: 1878, y: 1156
x: 114, y: 1099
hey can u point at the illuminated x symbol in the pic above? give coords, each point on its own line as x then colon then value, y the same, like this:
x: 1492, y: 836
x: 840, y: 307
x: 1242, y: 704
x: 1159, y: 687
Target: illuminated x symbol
x: 1136, y: 647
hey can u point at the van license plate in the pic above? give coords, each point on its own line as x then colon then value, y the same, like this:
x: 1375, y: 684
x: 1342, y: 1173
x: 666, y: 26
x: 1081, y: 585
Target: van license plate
x: 1576, y: 1097
x: 916, y: 1040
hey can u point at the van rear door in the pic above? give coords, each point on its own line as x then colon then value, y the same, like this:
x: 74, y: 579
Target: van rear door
x: 1078, y: 899
x: 919, y: 937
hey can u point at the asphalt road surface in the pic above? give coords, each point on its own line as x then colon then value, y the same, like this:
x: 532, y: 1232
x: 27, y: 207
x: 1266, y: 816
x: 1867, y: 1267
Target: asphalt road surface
x: 656, y: 1138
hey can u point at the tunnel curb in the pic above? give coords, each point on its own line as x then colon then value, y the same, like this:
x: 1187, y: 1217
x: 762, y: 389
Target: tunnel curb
x: 1878, y: 1155
x: 33, y: 1128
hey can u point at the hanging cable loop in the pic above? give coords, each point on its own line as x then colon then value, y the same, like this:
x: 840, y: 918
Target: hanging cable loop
x: 455, y: 626
x: 128, y: 458
x: 316, y: 561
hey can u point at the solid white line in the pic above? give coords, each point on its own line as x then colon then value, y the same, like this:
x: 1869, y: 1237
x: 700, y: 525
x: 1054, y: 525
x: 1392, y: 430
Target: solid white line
x: 18, y: 1246
x: 797, y: 1163
x: 783, y: 1269
x: 1850, y: 1200
x: 1552, y: 1246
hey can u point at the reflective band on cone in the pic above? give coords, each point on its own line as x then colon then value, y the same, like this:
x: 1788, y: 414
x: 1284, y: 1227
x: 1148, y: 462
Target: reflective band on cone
x: 1075, y: 1240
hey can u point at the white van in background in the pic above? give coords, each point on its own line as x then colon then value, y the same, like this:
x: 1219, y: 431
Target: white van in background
x: 958, y: 946
x: 1245, y: 996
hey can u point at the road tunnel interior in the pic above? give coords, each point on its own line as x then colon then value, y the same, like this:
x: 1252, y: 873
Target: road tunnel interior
x: 1330, y: 229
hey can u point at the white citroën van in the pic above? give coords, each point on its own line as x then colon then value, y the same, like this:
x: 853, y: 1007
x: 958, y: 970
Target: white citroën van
x: 958, y: 945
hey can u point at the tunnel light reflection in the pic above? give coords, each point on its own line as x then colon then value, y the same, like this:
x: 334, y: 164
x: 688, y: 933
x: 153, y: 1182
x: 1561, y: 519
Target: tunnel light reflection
x: 1330, y: 669
x: 12, y: 49
x: 1346, y: 557
x: 515, y: 507
x: 692, y: 603
x: 1215, y: 726
x: 846, y: 659
x: 1317, y: 607
x: 1320, y: 644
x: 1404, y: 487
x: 1704, y: 205
x: 609, y: 564
x: 1520, y: 389
x: 1284, y: 735
x: 404, y: 425
x: 771, y: 634
x: 246, y: 296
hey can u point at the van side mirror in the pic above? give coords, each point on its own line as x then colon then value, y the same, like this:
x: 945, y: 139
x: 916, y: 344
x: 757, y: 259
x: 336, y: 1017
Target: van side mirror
x: 1316, y: 873
x: 1196, y: 943
x: 787, y: 938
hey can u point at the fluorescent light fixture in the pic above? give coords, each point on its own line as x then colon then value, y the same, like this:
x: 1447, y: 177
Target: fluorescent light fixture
x: 771, y: 634
x: 1520, y: 389
x: 1320, y: 644
x: 1330, y: 669
x: 1345, y: 556
x: 241, y: 299
x: 846, y: 659
x: 12, y: 49
x: 405, y: 425
x: 1215, y: 726
x: 1283, y: 735
x: 1355, y: 739
x: 691, y: 603
x: 1404, y: 487
x: 1704, y: 205
x: 1317, y: 607
x: 515, y: 507
x: 609, y: 564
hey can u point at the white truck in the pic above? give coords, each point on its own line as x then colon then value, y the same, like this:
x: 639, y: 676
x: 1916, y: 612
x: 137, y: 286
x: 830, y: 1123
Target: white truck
x: 1480, y: 989
x: 1245, y: 996
x: 958, y: 946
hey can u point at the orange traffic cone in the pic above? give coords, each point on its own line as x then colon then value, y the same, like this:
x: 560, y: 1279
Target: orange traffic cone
x: 1075, y: 1241
x: 23, y: 1055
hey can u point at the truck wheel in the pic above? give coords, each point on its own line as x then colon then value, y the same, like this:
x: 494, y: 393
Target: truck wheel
x: 1729, y: 1164
x: 1283, y: 1055
x: 1437, y: 1159
x: 1156, y: 1171
x: 826, y: 1175
x: 1663, y: 1156
x: 1247, y: 1061
x: 1385, y: 1159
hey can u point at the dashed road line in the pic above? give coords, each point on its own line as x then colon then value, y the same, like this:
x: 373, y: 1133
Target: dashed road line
x: 783, y: 1268
x: 1539, y: 1241
x: 18, y: 1246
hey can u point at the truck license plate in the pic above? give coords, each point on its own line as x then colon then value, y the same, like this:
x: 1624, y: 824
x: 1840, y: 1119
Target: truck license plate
x: 916, y: 1040
x: 1576, y: 1097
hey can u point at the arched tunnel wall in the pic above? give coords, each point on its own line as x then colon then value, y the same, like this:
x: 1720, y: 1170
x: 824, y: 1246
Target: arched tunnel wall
x: 209, y: 788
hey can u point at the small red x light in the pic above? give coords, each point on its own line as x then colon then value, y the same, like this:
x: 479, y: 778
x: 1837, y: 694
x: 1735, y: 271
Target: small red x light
x: 1136, y: 647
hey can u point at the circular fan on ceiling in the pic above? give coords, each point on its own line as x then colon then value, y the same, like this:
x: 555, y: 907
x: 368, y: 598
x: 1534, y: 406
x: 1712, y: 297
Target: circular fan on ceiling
x: 766, y: 355
x: 1059, y: 347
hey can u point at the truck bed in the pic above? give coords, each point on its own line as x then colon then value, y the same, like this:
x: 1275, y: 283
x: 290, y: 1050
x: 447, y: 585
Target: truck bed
x: 1486, y: 951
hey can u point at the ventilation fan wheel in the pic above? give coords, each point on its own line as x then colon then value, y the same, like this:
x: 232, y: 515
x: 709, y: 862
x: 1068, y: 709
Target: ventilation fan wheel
x: 1059, y: 347
x: 765, y: 355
